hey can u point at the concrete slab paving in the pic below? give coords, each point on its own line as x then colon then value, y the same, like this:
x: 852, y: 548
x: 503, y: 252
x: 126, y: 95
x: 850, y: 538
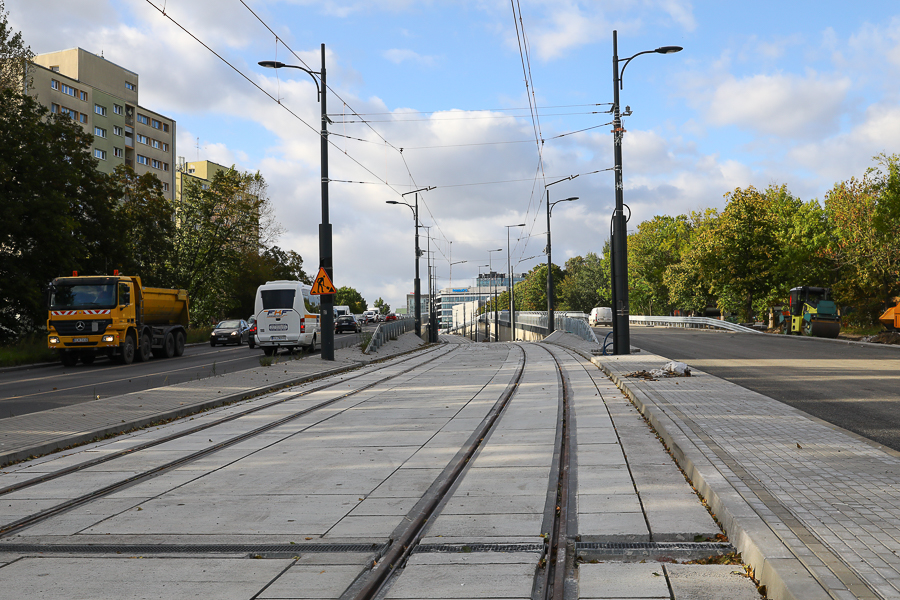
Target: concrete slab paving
x: 455, y: 579
x: 312, y: 582
x: 710, y: 582
x: 614, y: 581
x: 136, y: 578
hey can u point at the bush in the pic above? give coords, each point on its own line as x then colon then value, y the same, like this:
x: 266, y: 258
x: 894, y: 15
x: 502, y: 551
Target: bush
x: 30, y: 349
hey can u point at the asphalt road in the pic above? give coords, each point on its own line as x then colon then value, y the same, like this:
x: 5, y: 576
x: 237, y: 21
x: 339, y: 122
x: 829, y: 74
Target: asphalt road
x: 41, y: 388
x: 850, y: 385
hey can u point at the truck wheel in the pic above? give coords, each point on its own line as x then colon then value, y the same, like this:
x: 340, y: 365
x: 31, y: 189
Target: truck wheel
x: 126, y: 356
x: 169, y: 346
x: 68, y: 359
x: 312, y: 347
x: 87, y: 359
x: 144, y: 350
x: 179, y: 343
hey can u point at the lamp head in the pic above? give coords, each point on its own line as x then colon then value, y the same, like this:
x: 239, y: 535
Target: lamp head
x: 271, y: 64
x: 391, y: 202
x: 570, y: 199
x: 668, y: 49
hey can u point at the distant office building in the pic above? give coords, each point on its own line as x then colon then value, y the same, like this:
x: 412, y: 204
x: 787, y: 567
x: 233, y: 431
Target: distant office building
x: 487, y: 284
x: 103, y: 98
x: 411, y: 305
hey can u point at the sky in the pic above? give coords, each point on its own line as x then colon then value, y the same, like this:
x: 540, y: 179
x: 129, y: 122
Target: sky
x: 488, y: 101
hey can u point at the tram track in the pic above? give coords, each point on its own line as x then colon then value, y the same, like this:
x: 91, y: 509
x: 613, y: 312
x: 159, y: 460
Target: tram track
x: 38, y: 517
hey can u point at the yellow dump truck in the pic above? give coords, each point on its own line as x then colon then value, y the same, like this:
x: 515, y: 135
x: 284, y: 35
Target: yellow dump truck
x: 114, y: 316
x: 891, y: 318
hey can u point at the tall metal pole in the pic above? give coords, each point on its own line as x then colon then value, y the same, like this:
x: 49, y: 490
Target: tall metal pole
x: 550, y: 321
x: 325, y: 255
x: 418, y: 285
x: 619, y: 242
x: 512, y: 335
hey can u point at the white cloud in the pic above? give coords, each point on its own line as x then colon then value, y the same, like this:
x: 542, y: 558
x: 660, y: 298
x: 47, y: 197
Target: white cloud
x: 780, y: 105
x: 398, y: 56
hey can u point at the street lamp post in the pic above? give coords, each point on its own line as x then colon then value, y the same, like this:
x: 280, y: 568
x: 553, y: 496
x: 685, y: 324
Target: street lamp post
x: 619, y: 242
x: 487, y: 333
x: 494, y: 292
x: 325, y: 254
x: 512, y: 296
x: 417, y: 287
x: 550, y: 320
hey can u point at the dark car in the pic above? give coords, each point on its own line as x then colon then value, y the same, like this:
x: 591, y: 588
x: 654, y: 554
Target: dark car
x: 391, y: 317
x: 251, y: 338
x: 347, y: 323
x: 232, y: 331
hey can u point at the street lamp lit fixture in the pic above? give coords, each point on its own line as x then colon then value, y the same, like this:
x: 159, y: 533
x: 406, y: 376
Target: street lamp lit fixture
x: 619, y: 238
x: 326, y: 307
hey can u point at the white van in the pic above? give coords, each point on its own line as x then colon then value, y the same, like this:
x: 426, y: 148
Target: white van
x: 287, y: 316
x: 340, y: 311
x: 602, y: 315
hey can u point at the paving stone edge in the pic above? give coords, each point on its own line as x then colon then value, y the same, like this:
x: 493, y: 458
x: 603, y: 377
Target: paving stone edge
x: 775, y: 566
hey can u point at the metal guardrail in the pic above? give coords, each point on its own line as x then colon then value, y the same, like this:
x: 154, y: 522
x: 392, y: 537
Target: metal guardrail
x: 388, y: 331
x: 571, y: 322
x: 691, y: 322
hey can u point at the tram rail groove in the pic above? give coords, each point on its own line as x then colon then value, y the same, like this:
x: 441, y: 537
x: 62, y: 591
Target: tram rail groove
x: 81, y: 439
x: 115, y: 455
x: 370, y: 583
x: 34, y: 519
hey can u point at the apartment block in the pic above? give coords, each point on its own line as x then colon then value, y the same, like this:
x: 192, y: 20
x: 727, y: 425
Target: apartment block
x: 103, y: 98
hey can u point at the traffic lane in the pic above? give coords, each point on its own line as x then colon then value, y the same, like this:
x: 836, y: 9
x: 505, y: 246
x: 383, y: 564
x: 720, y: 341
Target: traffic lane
x: 34, y: 390
x: 853, y: 386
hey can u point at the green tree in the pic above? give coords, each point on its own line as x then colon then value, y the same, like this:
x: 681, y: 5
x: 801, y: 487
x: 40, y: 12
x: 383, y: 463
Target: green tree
x: 147, y: 226
x: 382, y: 306
x: 57, y: 212
x: 15, y: 55
x: 531, y: 293
x: 217, y: 227
x: 585, y: 285
x: 347, y: 296
x: 657, y: 245
x: 689, y: 286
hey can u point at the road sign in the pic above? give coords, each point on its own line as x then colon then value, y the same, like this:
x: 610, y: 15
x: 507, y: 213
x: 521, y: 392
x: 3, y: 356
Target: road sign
x: 322, y: 284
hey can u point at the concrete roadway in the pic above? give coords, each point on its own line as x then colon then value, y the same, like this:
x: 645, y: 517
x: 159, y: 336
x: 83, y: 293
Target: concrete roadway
x: 24, y: 391
x: 854, y: 386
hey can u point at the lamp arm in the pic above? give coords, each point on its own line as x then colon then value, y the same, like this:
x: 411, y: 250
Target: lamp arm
x: 628, y: 60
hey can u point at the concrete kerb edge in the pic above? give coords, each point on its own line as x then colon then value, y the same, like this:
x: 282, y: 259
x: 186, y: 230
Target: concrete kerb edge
x: 785, y: 576
x: 160, y: 418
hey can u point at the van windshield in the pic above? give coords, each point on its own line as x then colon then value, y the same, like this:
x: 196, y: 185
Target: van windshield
x: 277, y: 298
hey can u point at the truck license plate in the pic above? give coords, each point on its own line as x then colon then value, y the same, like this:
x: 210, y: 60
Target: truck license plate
x: 76, y: 340
x: 275, y: 338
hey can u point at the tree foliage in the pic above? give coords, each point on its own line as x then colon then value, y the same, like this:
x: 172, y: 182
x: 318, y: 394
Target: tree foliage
x: 57, y: 213
x: 382, y: 306
x: 15, y: 55
x: 347, y: 296
x: 586, y: 284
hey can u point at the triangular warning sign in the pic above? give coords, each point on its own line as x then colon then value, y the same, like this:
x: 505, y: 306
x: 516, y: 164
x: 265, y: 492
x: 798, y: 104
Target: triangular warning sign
x: 322, y: 284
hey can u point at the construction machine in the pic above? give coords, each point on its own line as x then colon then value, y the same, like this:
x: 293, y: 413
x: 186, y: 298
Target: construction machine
x: 891, y: 318
x: 811, y: 312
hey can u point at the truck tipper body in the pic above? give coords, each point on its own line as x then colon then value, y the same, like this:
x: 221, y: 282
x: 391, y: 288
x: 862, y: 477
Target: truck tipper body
x: 114, y: 316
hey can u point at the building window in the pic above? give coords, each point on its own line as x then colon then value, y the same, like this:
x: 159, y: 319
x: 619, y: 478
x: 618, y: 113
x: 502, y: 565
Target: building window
x: 143, y: 119
x: 100, y: 154
x: 155, y: 124
x: 154, y: 143
x: 54, y: 84
x: 130, y: 86
x: 82, y: 117
x: 117, y: 130
x: 117, y: 108
x: 165, y: 147
x: 155, y: 164
x: 165, y: 166
x: 99, y: 132
x: 166, y: 127
x: 100, y: 110
x: 55, y: 69
x: 83, y: 95
x: 118, y: 153
x: 165, y: 186
x: 143, y: 160
x: 54, y: 108
x: 68, y: 90
x: 143, y: 139
x: 68, y: 112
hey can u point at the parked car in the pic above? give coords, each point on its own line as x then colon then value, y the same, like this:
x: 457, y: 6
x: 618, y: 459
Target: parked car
x: 369, y: 316
x: 251, y: 338
x: 347, y: 323
x: 390, y: 317
x: 232, y: 331
x: 601, y: 315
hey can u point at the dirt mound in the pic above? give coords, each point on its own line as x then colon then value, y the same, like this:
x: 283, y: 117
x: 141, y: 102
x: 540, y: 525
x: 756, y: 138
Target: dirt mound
x: 885, y: 337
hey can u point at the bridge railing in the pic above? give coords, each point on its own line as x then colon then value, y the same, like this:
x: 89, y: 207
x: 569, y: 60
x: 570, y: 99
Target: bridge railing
x: 691, y: 322
x: 389, y: 330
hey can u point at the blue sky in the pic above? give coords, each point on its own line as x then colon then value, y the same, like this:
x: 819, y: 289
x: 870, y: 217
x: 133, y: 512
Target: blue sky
x: 802, y: 93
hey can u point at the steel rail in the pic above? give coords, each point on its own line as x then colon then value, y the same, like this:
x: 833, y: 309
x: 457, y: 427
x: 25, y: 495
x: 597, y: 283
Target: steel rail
x: 25, y: 522
x: 103, y: 459
x: 372, y: 582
